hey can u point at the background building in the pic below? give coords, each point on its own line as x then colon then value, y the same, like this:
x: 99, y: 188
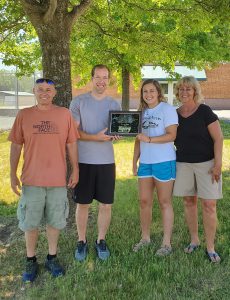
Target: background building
x: 215, y: 85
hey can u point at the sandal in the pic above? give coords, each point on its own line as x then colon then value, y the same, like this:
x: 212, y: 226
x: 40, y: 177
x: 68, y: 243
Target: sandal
x: 140, y: 245
x: 191, y: 248
x: 164, y: 251
x: 213, y: 257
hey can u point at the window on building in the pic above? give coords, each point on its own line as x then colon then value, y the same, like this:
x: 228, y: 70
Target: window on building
x: 165, y: 88
x: 175, y: 101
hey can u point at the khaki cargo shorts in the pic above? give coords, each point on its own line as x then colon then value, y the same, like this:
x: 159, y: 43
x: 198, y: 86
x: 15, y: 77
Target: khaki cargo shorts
x: 38, y: 203
x: 194, y: 179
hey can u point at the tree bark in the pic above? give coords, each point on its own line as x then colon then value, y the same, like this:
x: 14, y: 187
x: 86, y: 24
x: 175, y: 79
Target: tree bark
x: 53, y: 23
x: 56, y: 61
x: 125, y: 89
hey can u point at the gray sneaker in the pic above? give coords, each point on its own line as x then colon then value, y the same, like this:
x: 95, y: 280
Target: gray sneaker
x: 164, y: 251
x: 81, y: 251
x: 102, y: 250
x: 140, y: 245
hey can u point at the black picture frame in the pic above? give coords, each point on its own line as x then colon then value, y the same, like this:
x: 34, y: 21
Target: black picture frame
x: 124, y: 123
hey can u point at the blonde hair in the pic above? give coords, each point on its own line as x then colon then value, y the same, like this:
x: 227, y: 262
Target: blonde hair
x: 143, y: 105
x: 191, y: 82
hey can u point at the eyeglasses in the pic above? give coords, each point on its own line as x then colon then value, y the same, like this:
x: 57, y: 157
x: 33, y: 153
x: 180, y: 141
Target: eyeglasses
x: 41, y: 80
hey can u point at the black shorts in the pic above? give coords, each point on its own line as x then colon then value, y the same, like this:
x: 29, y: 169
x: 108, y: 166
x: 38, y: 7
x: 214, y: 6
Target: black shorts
x: 95, y: 182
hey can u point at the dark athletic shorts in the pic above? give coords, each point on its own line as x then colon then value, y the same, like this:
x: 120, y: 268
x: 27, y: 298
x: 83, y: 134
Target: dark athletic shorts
x: 95, y: 182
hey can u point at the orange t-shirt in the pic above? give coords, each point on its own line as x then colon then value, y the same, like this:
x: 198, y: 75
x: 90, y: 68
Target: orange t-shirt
x: 44, y: 135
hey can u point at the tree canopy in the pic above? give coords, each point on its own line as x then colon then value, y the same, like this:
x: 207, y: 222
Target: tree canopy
x: 131, y: 33
x: 125, y: 34
x: 18, y: 40
x: 52, y: 21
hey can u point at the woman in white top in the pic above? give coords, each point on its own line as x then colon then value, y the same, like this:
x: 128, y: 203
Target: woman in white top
x: 157, y: 162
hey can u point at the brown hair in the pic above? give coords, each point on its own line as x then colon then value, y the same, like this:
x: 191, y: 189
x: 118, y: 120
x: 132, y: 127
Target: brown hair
x: 100, y: 66
x: 143, y: 104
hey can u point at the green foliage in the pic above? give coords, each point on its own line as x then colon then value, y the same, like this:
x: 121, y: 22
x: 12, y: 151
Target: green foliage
x: 131, y: 33
x: 19, y: 45
x: 126, y: 34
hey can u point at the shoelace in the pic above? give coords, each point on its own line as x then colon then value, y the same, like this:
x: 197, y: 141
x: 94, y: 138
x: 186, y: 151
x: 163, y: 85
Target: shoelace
x: 102, y: 245
x: 80, y: 246
x: 30, y: 266
x: 54, y: 264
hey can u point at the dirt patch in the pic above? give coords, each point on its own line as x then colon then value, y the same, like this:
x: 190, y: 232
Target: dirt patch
x: 9, y: 231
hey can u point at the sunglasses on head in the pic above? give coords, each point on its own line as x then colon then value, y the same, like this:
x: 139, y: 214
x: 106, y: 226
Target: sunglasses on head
x: 41, y: 80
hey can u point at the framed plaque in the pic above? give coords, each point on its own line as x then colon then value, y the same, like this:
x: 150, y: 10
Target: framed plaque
x: 124, y: 123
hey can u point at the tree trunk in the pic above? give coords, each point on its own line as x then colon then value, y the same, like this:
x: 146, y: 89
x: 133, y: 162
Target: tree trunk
x: 56, y: 61
x: 53, y: 21
x: 125, y: 89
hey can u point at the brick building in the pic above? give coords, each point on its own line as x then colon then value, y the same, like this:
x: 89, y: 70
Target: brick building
x: 216, y: 89
x: 215, y: 85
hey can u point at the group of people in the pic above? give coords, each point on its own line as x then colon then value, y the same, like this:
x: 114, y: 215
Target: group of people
x: 190, y: 169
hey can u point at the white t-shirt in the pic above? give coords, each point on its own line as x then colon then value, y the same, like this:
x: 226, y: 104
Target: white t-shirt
x: 154, y: 122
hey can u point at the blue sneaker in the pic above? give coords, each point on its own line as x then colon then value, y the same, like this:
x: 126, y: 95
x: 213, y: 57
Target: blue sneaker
x: 81, y: 251
x: 54, y: 267
x: 102, y: 250
x: 31, y: 271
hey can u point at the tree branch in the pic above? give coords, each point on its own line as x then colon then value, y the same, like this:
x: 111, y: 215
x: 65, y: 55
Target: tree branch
x: 33, y: 10
x: 10, y: 30
x: 79, y: 9
x: 50, y: 12
x: 155, y: 8
x: 102, y: 30
x: 19, y: 22
x: 34, y: 7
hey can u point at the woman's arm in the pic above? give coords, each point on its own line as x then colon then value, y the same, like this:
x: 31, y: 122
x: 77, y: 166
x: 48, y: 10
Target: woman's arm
x: 136, y: 155
x: 217, y: 136
x: 169, y: 136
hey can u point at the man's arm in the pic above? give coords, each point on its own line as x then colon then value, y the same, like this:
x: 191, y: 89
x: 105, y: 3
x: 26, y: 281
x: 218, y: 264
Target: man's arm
x: 73, y: 157
x: 15, y: 153
x: 98, y: 137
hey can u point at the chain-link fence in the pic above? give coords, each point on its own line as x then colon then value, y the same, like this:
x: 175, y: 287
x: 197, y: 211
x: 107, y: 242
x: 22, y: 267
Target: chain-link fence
x: 16, y: 92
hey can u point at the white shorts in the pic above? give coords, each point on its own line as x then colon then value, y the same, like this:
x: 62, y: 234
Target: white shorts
x: 193, y: 179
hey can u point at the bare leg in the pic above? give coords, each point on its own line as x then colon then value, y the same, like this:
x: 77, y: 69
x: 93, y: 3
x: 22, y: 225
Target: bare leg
x: 103, y: 221
x: 82, y: 212
x: 146, y: 188
x: 31, y: 238
x: 52, y: 236
x: 164, y: 193
x: 191, y: 217
x: 209, y: 221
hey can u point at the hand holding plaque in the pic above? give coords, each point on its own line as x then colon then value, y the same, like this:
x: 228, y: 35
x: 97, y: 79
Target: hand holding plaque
x: 124, y: 123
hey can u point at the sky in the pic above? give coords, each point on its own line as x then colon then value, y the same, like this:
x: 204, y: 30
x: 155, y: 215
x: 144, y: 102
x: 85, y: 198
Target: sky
x: 2, y: 66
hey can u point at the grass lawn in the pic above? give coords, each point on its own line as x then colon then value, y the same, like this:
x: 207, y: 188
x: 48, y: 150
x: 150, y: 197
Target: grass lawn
x: 126, y: 275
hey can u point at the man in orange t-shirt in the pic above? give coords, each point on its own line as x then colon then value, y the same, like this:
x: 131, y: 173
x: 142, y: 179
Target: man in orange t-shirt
x: 45, y: 131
